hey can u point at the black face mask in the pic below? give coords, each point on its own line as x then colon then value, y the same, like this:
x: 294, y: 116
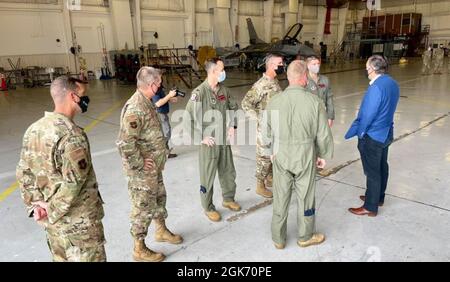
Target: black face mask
x: 84, y: 102
x: 280, y: 70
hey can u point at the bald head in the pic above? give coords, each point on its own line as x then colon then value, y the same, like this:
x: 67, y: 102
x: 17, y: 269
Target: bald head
x: 296, y: 73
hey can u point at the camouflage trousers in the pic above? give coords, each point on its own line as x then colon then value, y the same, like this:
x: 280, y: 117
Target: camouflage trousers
x: 263, y: 167
x: 438, y: 64
x: 85, y: 247
x: 426, y: 67
x: 263, y: 163
x: 148, y: 201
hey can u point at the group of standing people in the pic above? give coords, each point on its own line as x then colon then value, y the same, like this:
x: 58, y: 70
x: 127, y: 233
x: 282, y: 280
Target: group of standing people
x: 293, y: 144
x: 433, y: 60
x: 294, y: 138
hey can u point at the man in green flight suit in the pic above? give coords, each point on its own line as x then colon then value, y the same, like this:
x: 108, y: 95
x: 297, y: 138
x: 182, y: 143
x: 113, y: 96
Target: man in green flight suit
x: 297, y: 137
x: 319, y: 85
x: 209, y: 112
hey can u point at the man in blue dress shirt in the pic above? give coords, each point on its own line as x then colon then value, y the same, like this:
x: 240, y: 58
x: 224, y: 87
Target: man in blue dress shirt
x: 375, y: 131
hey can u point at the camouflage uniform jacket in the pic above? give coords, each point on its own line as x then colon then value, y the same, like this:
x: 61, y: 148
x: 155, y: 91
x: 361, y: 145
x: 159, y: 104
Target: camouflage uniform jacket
x: 427, y: 55
x: 438, y: 54
x: 259, y: 95
x: 56, y: 167
x: 140, y: 135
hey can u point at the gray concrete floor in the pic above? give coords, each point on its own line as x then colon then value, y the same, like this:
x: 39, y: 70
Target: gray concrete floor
x: 414, y: 224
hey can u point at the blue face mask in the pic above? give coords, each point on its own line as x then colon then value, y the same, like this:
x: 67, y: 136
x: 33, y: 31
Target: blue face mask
x: 222, y: 76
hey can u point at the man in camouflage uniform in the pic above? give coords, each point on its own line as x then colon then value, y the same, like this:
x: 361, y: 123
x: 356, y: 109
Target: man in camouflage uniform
x: 206, y: 121
x: 438, y: 59
x: 298, y: 137
x: 426, y: 61
x: 142, y: 146
x: 255, y: 101
x: 320, y: 85
x: 57, y: 180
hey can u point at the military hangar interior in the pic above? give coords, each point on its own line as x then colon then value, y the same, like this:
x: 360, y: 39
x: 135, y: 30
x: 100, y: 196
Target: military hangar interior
x: 106, y: 42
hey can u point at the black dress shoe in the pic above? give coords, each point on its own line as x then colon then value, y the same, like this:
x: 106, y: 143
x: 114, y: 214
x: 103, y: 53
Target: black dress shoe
x: 170, y: 156
x: 363, y: 198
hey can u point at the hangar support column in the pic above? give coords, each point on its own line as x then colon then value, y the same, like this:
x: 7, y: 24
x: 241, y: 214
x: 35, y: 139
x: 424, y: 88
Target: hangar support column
x: 321, y: 17
x: 223, y: 36
x: 290, y: 10
x: 300, y: 12
x: 268, y: 19
x: 342, y: 23
x: 190, y: 24
x: 122, y: 25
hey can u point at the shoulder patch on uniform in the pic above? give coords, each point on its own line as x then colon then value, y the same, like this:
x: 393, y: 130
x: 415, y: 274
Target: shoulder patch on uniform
x: 310, y: 212
x: 132, y: 117
x: 132, y: 120
x: 79, y: 159
x: 82, y: 164
x: 77, y: 154
x: 194, y: 97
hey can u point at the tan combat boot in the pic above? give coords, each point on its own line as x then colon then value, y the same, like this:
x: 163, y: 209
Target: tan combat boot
x: 279, y: 246
x: 269, y: 181
x: 213, y: 215
x: 316, y: 239
x: 262, y: 190
x: 163, y: 234
x: 231, y: 206
x: 143, y: 254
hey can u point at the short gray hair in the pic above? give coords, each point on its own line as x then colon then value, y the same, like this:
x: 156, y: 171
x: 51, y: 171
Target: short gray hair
x: 270, y: 56
x: 61, y: 86
x: 147, y: 75
x: 378, y: 63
